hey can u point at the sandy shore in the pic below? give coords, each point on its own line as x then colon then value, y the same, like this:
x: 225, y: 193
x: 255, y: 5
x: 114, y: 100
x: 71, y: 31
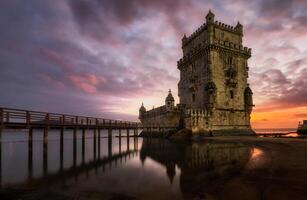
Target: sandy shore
x: 278, y: 169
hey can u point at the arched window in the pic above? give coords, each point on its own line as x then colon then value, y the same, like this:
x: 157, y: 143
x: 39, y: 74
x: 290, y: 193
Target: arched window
x: 231, y: 94
x: 193, y: 97
x: 229, y: 60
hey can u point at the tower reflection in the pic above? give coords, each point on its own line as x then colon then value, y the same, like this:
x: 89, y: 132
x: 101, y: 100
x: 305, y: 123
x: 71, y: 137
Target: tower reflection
x: 204, y: 166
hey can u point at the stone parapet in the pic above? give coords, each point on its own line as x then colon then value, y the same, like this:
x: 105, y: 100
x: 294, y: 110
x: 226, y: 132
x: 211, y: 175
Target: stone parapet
x: 216, y: 45
x: 225, y: 27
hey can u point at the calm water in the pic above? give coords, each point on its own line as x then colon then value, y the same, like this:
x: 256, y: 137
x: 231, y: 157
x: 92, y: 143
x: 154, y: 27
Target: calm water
x: 131, y: 169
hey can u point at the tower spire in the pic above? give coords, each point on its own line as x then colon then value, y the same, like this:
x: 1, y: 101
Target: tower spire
x: 210, y: 17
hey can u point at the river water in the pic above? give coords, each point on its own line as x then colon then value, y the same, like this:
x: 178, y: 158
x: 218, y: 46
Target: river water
x: 137, y: 168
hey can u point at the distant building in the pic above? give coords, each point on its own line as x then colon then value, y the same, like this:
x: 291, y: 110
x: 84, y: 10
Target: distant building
x: 214, y: 95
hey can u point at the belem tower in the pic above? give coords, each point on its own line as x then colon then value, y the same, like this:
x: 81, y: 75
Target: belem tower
x: 215, y: 97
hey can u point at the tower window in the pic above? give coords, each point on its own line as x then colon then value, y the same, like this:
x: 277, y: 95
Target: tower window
x: 193, y: 97
x: 231, y: 94
x: 229, y: 60
x: 192, y: 67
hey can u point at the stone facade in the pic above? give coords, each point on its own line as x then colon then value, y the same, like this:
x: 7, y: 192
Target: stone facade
x: 213, y: 90
x: 163, y: 118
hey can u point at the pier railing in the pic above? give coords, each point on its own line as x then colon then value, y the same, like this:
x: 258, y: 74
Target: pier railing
x: 18, y: 118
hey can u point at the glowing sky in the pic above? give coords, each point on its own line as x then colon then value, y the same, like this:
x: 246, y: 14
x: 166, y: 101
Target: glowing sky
x: 103, y: 58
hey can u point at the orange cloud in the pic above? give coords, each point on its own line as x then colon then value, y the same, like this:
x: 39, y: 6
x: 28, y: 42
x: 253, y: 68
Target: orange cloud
x: 282, y: 118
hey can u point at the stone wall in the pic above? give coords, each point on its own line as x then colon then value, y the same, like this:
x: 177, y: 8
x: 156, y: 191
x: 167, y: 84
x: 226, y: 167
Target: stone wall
x: 168, y: 119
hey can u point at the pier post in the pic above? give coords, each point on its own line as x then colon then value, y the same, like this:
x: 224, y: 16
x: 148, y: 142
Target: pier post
x: 45, y: 151
x: 120, y: 140
x: 135, y: 139
x: 109, y: 142
x: 83, y: 145
x: 61, y: 148
x: 7, y: 117
x: 0, y: 157
x: 94, y: 142
x: 30, y: 153
x: 128, y: 140
x: 28, y: 119
x: 99, y: 143
x: 63, y: 121
x: 47, y: 120
x: 137, y: 144
x: 1, y: 118
x: 75, y: 147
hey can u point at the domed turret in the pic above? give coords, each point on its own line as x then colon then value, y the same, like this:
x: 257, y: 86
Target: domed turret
x: 142, y: 111
x: 169, y: 96
x: 169, y: 101
x: 210, y: 17
x: 248, y: 99
x: 142, y: 108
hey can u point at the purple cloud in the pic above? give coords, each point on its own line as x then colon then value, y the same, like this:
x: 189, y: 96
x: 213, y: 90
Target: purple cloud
x: 100, y: 57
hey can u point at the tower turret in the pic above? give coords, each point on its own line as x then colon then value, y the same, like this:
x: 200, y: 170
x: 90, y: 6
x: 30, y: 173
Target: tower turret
x: 239, y: 28
x: 210, y: 17
x: 248, y: 99
x: 142, y: 111
x: 169, y: 101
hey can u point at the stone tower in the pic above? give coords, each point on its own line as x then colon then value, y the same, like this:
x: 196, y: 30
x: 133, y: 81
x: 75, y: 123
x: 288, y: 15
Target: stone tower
x: 213, y: 79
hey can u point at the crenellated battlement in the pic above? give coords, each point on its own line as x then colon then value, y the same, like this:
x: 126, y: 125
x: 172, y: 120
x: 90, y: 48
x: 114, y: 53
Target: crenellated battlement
x: 218, y: 45
x: 234, y: 29
x: 155, y: 112
x: 161, y: 110
x: 238, y: 29
x: 186, y: 40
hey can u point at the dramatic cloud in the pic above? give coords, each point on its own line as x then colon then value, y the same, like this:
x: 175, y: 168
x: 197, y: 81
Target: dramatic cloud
x: 103, y: 58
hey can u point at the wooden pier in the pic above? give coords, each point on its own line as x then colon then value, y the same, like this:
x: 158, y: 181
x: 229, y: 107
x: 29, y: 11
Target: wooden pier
x: 35, y: 122
x: 17, y: 118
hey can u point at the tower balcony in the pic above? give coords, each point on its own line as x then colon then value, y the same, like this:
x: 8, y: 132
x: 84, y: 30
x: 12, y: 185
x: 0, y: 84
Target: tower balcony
x: 192, y: 87
x: 231, y: 83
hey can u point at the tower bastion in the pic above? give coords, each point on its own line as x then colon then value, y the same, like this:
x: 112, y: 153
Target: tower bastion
x: 214, y: 94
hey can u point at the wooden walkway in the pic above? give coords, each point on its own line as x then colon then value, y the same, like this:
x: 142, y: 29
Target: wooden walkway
x: 17, y: 118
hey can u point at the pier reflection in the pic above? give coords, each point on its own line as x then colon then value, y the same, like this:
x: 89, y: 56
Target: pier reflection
x: 82, y: 159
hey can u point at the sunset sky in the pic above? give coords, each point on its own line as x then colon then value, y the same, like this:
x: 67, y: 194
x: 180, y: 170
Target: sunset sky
x: 104, y: 58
